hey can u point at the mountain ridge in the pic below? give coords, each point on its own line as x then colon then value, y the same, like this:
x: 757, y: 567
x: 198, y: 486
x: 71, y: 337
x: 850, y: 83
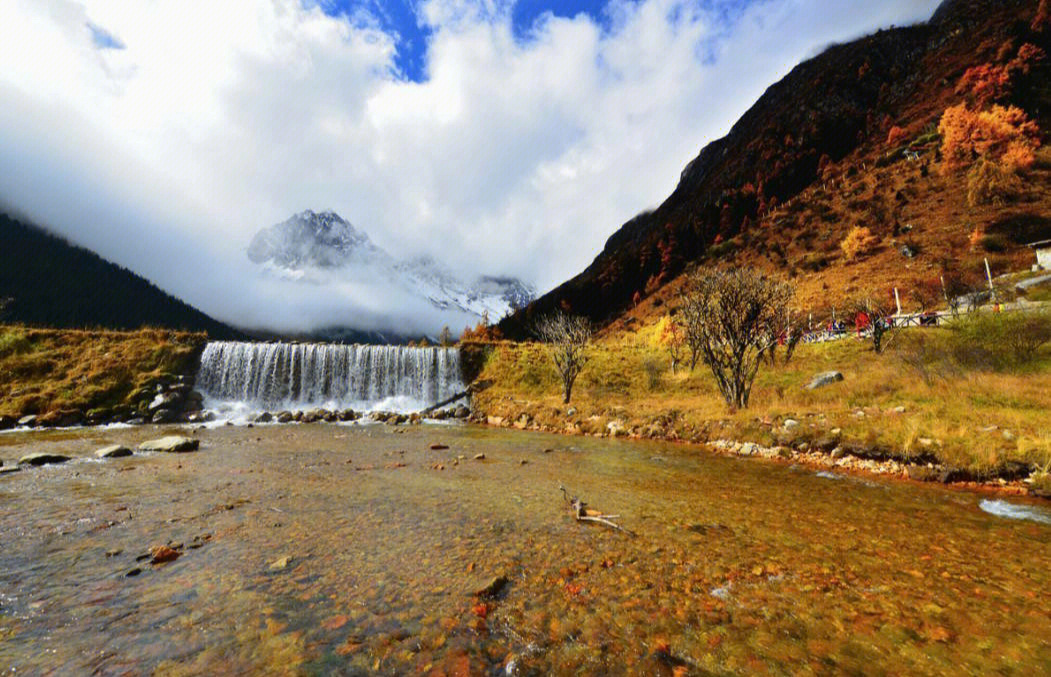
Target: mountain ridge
x: 312, y: 246
x: 817, y: 134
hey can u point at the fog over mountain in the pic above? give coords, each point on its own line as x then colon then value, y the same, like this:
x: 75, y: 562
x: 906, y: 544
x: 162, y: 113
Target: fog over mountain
x: 165, y: 135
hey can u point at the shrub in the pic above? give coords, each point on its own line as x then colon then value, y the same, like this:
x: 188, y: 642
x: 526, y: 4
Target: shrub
x: 993, y: 134
x: 992, y: 183
x: 896, y: 136
x: 858, y: 241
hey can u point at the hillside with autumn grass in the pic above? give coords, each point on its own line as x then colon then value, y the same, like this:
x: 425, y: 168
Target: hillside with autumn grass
x: 898, y: 160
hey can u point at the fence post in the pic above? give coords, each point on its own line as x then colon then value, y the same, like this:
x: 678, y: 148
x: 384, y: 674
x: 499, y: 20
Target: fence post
x: 897, y: 300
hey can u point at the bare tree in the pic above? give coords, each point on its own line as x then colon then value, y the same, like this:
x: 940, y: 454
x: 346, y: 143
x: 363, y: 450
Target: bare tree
x: 732, y: 317
x: 567, y: 338
x: 874, y: 319
x: 445, y: 339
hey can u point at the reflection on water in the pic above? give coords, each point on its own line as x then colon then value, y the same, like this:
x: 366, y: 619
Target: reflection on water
x: 335, y: 549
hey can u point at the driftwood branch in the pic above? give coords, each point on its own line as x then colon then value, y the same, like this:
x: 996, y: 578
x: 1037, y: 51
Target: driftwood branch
x: 583, y: 514
x: 475, y: 387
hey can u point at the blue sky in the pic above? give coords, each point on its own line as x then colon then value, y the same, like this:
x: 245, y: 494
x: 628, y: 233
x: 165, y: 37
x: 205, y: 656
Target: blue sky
x: 402, y: 18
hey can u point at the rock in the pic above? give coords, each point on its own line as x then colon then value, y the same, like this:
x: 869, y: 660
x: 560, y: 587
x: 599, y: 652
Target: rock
x: 62, y: 418
x: 284, y: 417
x: 281, y: 563
x: 437, y: 446
x: 572, y: 411
x: 790, y: 423
x: 461, y: 411
x: 615, y: 428
x: 162, y: 553
x: 172, y: 443
x: 479, y: 457
x: 165, y: 416
x: 898, y: 410
x: 824, y: 379
x: 264, y: 417
x: 329, y: 416
x: 825, y: 443
x: 493, y: 588
x: 9, y: 469
x: 164, y: 400
x: 311, y: 417
x: 495, y: 420
x: 113, y: 451
x: 838, y: 452
x: 1008, y: 435
x: 27, y: 421
x: 8, y: 422
x: 42, y: 459
x: 347, y: 415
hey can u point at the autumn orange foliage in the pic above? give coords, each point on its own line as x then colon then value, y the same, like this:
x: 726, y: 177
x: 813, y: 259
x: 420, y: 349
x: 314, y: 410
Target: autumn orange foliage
x: 896, y: 136
x: 858, y: 241
x: 999, y: 134
x: 1042, y: 20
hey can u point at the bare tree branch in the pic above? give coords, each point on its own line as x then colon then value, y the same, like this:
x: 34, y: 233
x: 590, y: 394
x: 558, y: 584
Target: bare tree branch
x: 567, y: 338
x: 731, y: 318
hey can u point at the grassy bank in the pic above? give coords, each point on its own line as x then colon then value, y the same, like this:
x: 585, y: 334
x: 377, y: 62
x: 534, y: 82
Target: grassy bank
x: 50, y: 370
x: 984, y: 419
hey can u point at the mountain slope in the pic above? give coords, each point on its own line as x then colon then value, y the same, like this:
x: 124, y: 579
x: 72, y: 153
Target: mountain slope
x: 321, y: 246
x: 813, y: 159
x: 46, y: 281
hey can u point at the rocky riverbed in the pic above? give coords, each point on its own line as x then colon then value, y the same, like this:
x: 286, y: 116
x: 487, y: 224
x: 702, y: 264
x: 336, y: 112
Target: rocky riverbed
x: 410, y: 549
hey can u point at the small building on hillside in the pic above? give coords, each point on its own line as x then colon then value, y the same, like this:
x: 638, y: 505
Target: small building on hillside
x: 1043, y: 253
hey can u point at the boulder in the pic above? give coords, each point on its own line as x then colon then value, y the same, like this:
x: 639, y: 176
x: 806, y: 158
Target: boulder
x: 824, y: 379
x: 42, y: 459
x: 165, y: 400
x: 790, y: 423
x: 265, y: 417
x: 346, y: 415
x: 113, y: 451
x: 171, y: 444
x: 461, y: 412
x: 284, y: 417
x: 165, y: 416
x: 311, y: 417
x: 27, y: 421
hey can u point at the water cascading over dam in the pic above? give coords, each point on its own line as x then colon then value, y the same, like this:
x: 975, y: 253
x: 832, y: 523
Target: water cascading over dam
x: 273, y: 376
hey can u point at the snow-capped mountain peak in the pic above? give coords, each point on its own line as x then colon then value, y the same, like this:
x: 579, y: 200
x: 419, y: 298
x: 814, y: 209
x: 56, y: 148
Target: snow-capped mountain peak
x: 310, y: 242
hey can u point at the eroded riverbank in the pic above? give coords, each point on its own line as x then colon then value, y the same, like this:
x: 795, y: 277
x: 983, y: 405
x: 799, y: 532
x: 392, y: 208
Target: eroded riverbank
x: 738, y: 565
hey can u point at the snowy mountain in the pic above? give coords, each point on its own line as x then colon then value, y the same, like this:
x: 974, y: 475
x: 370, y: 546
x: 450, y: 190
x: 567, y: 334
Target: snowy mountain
x: 317, y: 247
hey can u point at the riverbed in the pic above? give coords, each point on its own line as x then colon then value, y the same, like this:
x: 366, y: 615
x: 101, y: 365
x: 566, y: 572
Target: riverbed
x: 359, y: 549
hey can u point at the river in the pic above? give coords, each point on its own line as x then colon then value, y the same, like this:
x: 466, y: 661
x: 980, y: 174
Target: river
x: 355, y: 549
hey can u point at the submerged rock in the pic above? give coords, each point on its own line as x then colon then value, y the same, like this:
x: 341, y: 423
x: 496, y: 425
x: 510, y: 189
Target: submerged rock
x: 824, y: 379
x: 172, y: 443
x: 493, y: 588
x: 42, y: 459
x: 113, y: 451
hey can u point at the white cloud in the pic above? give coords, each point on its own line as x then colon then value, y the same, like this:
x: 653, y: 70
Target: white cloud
x: 514, y: 156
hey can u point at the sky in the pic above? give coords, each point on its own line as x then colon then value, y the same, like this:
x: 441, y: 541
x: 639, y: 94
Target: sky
x: 500, y: 137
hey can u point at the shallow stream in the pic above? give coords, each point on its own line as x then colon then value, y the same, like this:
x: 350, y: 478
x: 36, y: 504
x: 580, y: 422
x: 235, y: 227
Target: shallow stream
x: 738, y: 566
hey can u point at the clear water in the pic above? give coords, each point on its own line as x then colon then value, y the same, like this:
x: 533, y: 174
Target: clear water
x: 738, y: 566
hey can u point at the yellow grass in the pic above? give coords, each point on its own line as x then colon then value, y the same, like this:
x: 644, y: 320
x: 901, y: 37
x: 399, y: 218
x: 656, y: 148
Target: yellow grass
x: 951, y: 419
x: 44, y: 370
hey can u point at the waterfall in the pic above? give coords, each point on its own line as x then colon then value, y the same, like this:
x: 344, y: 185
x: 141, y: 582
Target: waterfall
x: 273, y: 376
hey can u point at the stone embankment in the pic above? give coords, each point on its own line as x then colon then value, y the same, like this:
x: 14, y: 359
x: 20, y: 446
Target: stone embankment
x: 826, y: 452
